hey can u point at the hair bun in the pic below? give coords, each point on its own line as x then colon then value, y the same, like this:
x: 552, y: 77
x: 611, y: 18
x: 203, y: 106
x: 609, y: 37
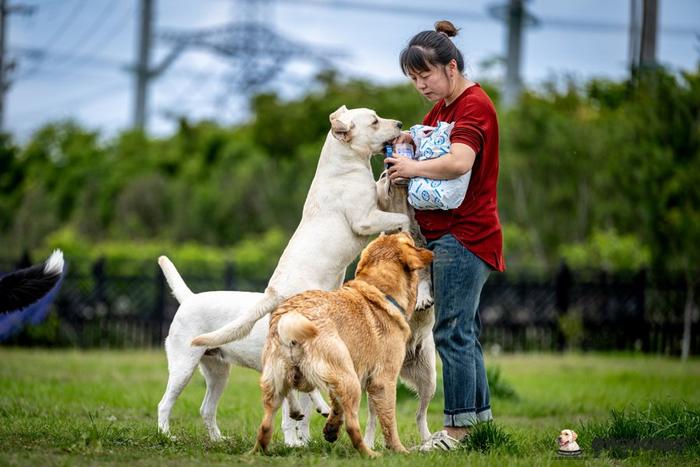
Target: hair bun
x: 446, y: 28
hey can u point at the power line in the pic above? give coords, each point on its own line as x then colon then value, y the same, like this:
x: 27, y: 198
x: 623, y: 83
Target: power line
x: 97, y: 93
x: 63, y: 56
x: 95, y: 26
x: 402, y: 10
x: 112, y: 33
x: 56, y: 35
x: 100, y: 60
x: 7, y: 65
x: 544, y: 21
x: 72, y: 15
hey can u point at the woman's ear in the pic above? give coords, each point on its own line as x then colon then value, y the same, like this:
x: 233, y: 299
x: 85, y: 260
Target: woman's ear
x: 452, y: 65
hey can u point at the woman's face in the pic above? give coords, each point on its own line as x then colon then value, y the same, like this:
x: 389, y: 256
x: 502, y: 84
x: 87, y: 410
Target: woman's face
x: 434, y: 83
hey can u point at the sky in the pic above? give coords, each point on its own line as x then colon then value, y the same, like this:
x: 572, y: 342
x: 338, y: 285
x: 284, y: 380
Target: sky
x: 72, y: 57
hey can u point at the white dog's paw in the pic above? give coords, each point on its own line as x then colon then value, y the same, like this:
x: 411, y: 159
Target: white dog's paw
x: 322, y: 407
x: 165, y: 433
x: 424, y: 300
x: 295, y: 438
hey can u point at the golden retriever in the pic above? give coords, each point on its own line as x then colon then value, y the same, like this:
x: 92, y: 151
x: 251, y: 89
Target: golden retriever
x: 346, y: 341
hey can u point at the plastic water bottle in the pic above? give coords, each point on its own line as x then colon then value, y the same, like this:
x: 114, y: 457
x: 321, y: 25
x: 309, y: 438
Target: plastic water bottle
x: 389, y: 151
x: 403, y: 150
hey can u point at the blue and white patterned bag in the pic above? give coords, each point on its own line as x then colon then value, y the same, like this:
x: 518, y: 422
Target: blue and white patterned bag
x: 425, y: 193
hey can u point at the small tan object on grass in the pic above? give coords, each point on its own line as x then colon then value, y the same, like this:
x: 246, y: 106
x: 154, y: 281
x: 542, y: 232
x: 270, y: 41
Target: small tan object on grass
x: 567, y: 443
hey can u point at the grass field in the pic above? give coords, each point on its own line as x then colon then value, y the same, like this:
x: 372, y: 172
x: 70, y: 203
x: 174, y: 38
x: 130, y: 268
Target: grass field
x: 61, y: 407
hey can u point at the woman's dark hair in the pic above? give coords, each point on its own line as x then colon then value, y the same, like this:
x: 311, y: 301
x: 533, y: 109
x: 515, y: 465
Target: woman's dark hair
x: 431, y: 48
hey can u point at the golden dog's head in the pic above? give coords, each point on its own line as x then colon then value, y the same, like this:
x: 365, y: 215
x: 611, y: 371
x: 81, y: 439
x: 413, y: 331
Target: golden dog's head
x: 391, y: 262
x: 363, y: 130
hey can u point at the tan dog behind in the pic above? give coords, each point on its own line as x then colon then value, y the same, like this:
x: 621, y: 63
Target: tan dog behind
x: 346, y: 341
x: 418, y: 370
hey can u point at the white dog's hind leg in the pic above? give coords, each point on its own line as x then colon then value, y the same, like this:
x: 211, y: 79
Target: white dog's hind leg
x: 426, y: 391
x: 181, y: 365
x: 296, y: 432
x: 320, y: 403
x: 294, y: 410
x: 371, y: 428
x: 421, y: 375
x: 215, y: 373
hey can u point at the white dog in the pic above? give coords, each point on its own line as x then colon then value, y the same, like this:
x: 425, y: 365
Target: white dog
x: 204, y: 312
x: 567, y: 442
x: 340, y: 215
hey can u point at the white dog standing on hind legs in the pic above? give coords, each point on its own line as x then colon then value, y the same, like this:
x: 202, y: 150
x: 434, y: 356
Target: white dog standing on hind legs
x: 201, y: 313
x: 339, y: 218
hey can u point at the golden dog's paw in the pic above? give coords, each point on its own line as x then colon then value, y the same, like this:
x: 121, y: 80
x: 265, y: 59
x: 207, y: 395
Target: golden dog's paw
x: 330, y: 433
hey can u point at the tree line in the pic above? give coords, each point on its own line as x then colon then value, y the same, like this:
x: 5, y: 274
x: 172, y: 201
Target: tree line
x: 603, y: 174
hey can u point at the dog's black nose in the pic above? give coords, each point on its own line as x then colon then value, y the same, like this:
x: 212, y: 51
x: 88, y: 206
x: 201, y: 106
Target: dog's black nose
x: 399, y: 124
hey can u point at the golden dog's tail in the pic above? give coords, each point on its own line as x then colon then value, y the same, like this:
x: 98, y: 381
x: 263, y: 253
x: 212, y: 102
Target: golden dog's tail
x: 242, y: 326
x: 295, y: 328
x: 177, y: 285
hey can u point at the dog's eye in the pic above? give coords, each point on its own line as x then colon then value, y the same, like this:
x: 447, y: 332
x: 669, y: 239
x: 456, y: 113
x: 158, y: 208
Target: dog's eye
x: 375, y: 122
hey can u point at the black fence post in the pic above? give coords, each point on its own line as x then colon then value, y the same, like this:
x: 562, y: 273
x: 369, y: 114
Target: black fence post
x: 562, y: 291
x: 230, y: 277
x: 98, y: 274
x: 99, y: 305
x: 642, y: 325
x: 159, y: 306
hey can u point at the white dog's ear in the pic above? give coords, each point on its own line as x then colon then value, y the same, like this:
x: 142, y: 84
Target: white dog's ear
x: 341, y: 131
x: 341, y: 110
x: 574, y: 435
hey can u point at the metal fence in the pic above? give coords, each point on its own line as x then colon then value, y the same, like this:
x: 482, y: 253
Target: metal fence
x: 519, y: 312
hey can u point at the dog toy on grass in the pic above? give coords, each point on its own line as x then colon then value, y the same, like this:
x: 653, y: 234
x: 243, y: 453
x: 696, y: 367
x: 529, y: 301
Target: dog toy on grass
x: 567, y: 443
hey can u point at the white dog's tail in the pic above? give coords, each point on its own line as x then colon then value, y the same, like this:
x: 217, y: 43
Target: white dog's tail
x: 242, y: 326
x: 294, y: 328
x: 177, y: 285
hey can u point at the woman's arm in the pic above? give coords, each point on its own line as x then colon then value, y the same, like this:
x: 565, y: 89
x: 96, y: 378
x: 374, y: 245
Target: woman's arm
x: 457, y: 162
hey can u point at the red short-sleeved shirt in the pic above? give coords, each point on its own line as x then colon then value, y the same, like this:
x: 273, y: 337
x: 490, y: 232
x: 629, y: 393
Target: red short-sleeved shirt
x: 475, y: 222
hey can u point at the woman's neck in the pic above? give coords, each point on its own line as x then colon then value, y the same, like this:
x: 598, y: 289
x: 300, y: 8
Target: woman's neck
x: 461, y: 84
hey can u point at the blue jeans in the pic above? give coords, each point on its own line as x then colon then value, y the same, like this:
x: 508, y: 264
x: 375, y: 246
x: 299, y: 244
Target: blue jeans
x: 458, y: 277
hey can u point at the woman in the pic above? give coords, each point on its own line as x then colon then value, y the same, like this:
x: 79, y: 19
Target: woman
x: 467, y: 241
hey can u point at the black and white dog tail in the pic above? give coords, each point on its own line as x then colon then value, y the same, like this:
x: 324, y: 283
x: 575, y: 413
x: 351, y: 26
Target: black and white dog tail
x: 23, y: 287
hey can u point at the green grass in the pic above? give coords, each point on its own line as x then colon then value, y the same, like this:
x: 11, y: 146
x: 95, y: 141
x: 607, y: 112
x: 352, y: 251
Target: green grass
x: 61, y: 407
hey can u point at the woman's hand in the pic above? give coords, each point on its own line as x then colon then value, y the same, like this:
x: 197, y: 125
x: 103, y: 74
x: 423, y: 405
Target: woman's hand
x: 401, y: 167
x: 404, y: 137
